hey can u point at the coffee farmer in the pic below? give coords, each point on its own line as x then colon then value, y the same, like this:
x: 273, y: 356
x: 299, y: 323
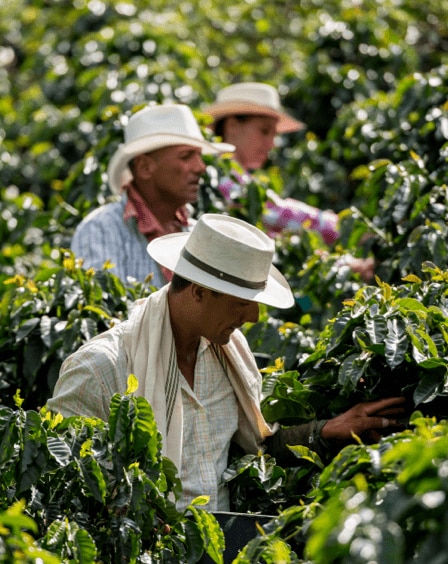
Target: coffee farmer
x: 193, y: 364
x: 156, y: 174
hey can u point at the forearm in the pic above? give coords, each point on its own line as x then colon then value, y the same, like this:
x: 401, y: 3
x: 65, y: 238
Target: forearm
x: 293, y: 215
x: 307, y: 434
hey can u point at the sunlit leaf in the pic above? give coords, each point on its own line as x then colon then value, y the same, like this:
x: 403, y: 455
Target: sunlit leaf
x: 396, y: 342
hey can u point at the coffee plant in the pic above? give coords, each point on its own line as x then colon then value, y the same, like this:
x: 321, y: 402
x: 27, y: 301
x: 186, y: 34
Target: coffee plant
x: 369, y: 80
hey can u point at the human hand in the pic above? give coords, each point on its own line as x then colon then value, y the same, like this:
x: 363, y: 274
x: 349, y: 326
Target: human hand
x: 365, y: 267
x: 366, y: 417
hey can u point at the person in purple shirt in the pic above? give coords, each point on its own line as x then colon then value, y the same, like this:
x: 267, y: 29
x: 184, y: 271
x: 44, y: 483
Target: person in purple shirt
x: 249, y: 115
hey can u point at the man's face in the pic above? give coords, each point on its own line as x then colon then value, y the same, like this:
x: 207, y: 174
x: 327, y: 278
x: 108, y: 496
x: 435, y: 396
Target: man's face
x: 176, y: 172
x: 222, y: 314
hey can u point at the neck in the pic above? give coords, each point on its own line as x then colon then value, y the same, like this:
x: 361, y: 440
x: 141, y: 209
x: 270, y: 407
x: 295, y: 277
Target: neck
x: 165, y: 214
x: 186, y: 338
x: 164, y: 210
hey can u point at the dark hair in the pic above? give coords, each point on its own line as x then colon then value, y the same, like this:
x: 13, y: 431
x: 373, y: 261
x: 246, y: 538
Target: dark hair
x: 178, y: 283
x: 131, y: 166
x: 131, y: 163
x: 219, y: 128
x: 219, y: 125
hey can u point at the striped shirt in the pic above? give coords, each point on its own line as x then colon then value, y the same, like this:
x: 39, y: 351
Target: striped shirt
x: 90, y: 377
x: 106, y: 234
x: 210, y: 421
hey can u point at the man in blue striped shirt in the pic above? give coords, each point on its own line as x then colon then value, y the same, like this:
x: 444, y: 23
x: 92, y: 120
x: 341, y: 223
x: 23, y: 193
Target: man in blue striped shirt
x: 156, y: 174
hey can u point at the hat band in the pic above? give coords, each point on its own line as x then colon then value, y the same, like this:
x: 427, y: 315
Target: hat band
x: 221, y: 275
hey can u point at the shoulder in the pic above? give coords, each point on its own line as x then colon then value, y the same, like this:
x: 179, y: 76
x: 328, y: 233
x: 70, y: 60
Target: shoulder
x: 104, y: 226
x: 106, y: 348
x: 91, y: 376
x: 103, y: 356
x: 105, y: 212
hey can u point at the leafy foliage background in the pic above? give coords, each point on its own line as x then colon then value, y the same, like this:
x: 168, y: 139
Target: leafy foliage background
x: 369, y: 79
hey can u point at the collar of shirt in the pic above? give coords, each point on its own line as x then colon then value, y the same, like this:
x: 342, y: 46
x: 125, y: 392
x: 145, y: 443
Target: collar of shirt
x: 147, y: 223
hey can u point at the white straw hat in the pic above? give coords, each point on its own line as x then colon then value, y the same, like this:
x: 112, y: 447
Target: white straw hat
x: 254, y: 98
x: 227, y: 255
x: 155, y: 127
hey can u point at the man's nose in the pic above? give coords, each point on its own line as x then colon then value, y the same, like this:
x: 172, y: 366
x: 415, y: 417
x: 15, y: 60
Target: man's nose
x: 198, y: 164
x: 253, y: 313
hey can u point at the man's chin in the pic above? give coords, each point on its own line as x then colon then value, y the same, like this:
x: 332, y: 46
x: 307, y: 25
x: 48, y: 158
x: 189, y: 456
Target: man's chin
x: 194, y: 196
x: 221, y: 340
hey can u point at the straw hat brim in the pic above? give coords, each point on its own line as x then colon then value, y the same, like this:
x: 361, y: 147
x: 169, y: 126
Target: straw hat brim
x: 127, y: 151
x: 285, y: 123
x: 166, y: 250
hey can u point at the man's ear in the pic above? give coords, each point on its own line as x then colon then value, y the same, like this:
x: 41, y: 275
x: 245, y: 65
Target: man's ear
x: 144, y: 166
x: 197, y: 292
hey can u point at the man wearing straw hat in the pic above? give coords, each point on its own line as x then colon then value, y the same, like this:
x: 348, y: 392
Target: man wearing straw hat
x: 192, y: 362
x: 156, y: 172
